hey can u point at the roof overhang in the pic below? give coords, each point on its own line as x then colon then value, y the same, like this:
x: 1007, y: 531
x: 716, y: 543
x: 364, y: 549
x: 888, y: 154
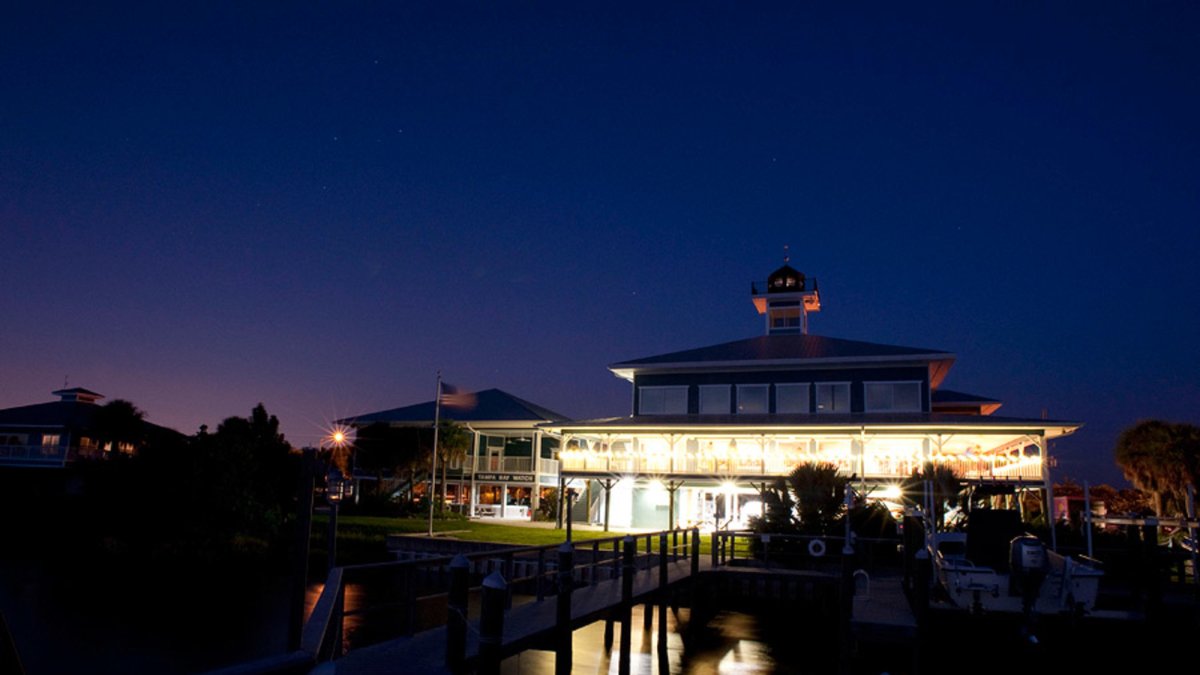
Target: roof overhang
x: 938, y: 364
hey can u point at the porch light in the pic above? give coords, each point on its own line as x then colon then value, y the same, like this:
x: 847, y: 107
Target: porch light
x: 891, y: 492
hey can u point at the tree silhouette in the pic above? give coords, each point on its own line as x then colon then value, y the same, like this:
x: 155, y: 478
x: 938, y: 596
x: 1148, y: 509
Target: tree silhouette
x: 1162, y: 459
x: 118, y: 423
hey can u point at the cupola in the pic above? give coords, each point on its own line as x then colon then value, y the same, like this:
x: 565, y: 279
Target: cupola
x: 786, y: 298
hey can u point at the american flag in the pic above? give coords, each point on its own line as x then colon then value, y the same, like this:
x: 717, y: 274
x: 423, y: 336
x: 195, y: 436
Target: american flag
x: 452, y: 397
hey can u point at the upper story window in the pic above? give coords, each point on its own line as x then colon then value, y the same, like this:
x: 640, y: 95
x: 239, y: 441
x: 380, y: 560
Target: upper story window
x: 791, y: 398
x: 752, y: 398
x: 714, y: 399
x: 662, y: 400
x: 892, y: 396
x: 50, y: 440
x: 833, y: 397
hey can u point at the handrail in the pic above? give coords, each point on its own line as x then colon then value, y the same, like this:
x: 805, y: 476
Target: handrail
x: 322, y: 629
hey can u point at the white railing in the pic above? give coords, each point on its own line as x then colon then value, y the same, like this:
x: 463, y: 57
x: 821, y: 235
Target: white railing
x: 507, y: 464
x: 33, y: 455
x: 779, y: 464
x: 548, y: 467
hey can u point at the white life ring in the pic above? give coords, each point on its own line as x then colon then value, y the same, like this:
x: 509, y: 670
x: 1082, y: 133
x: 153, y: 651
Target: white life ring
x: 816, y: 548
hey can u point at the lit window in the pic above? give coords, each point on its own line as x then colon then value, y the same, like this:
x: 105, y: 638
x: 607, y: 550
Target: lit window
x: 49, y: 440
x: 833, y: 397
x: 893, y: 396
x: 791, y: 398
x: 662, y: 400
x: 752, y: 398
x: 714, y: 399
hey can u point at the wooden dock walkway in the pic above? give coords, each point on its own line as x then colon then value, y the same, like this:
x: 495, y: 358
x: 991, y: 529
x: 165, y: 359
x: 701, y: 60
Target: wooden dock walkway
x: 525, y: 626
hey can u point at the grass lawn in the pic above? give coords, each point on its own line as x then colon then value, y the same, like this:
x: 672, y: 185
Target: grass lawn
x: 362, y: 539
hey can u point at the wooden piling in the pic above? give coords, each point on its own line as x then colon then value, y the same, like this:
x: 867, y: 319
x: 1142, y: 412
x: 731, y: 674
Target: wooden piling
x: 663, y: 578
x: 627, y: 571
x: 1150, y: 570
x: 456, y: 615
x: 695, y: 552
x: 845, y: 606
x: 563, y: 636
x: 491, y: 623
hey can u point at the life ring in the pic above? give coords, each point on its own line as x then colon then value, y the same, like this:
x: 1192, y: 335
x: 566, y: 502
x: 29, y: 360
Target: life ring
x: 816, y: 548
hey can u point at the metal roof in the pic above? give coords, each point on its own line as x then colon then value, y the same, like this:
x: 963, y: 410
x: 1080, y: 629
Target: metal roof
x: 784, y: 351
x: 53, y: 414
x: 64, y: 415
x: 489, y: 405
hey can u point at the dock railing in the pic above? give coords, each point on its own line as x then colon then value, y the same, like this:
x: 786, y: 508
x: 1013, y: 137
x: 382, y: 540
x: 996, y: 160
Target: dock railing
x: 360, y: 605
x: 744, y: 548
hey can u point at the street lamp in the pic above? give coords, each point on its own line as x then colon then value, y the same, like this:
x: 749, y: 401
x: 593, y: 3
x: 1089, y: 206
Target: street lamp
x: 337, y: 487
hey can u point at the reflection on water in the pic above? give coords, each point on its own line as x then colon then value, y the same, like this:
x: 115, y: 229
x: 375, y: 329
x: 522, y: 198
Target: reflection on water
x: 730, y: 643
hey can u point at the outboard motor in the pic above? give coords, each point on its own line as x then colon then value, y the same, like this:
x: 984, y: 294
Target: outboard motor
x: 1028, y: 567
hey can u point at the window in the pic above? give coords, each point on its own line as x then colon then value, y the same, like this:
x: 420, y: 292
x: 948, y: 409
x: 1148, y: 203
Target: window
x: 752, y: 398
x: 791, y: 398
x: 893, y: 396
x: 785, y: 318
x: 833, y: 397
x: 714, y: 399
x: 662, y: 400
x: 49, y: 440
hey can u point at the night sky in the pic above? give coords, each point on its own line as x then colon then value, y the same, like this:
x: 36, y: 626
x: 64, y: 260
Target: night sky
x: 317, y: 206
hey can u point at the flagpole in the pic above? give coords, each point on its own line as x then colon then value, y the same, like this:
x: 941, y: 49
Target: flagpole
x: 437, y: 418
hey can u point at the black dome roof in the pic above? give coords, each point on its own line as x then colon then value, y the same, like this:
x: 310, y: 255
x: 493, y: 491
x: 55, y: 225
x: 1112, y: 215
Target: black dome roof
x: 785, y: 280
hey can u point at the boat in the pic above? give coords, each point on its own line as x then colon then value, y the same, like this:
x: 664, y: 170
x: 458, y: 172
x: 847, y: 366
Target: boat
x: 994, y: 566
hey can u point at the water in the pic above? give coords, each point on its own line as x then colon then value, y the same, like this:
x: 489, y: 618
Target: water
x: 732, y: 642
x: 74, y: 620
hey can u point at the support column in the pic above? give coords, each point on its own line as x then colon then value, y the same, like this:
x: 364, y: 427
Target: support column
x: 474, y: 463
x: 1048, y: 508
x: 607, y: 501
x: 535, y: 497
x: 562, y: 499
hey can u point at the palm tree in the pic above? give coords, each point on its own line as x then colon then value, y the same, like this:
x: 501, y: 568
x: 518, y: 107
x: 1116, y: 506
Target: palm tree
x: 819, y: 492
x: 453, y: 443
x: 944, y: 482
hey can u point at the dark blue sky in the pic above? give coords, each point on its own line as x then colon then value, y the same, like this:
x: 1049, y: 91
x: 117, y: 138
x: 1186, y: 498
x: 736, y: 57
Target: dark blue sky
x: 317, y: 206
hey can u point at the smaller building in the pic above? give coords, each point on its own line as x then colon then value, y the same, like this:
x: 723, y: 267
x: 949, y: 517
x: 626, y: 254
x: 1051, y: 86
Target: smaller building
x: 512, y: 464
x: 54, y: 434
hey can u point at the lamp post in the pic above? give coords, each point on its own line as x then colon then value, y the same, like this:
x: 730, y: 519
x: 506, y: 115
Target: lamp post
x: 337, y: 488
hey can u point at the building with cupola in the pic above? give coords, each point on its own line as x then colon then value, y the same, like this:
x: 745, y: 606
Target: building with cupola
x: 56, y: 434
x: 711, y: 427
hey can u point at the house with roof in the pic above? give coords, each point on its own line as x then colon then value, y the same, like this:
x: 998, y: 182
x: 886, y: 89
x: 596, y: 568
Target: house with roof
x: 513, y: 461
x: 57, y: 433
x: 713, y: 426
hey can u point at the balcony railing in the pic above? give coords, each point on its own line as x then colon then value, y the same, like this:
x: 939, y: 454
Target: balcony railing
x: 34, y: 455
x: 506, y: 464
x: 780, y: 464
